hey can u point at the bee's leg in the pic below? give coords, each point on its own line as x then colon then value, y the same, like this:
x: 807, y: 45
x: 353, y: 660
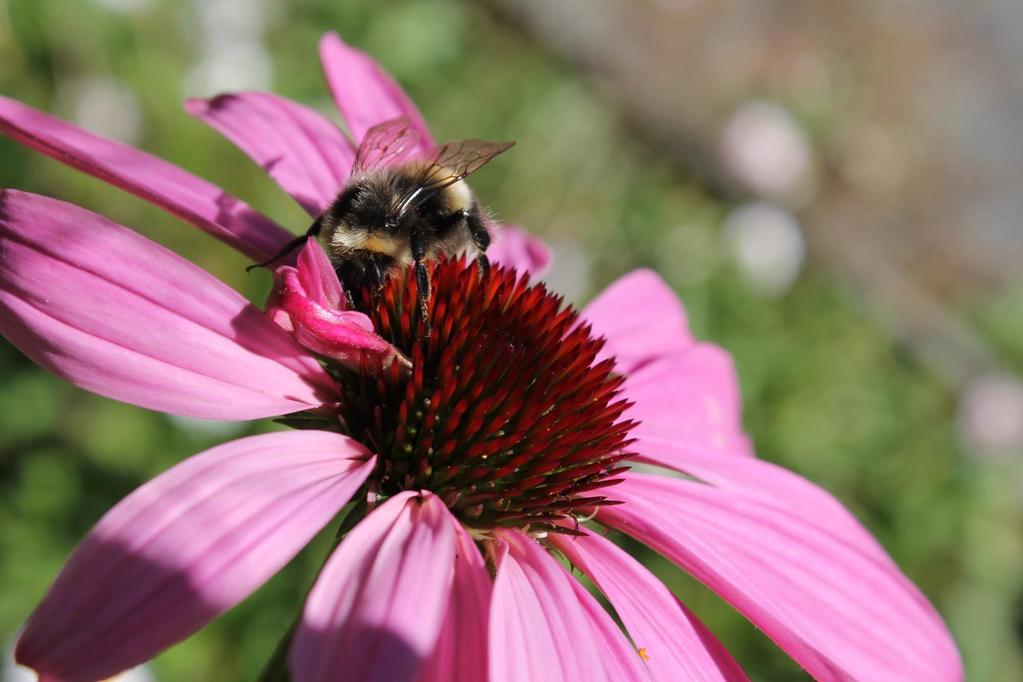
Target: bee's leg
x: 375, y: 275
x: 351, y: 272
x: 418, y: 244
x: 480, y: 237
x: 290, y: 246
x: 423, y: 290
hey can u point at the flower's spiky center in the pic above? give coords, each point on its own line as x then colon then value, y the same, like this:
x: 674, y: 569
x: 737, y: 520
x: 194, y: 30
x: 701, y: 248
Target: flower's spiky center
x: 505, y: 415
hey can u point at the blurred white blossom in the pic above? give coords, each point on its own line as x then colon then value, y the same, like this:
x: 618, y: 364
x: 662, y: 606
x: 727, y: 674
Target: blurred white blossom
x: 104, y: 106
x: 232, y: 53
x: 767, y: 244
x: 991, y: 415
x: 232, y: 19
x: 765, y: 149
x: 238, y: 66
x: 124, y: 6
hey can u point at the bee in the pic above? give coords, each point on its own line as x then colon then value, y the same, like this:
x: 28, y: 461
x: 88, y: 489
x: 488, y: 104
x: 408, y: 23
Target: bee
x: 403, y: 207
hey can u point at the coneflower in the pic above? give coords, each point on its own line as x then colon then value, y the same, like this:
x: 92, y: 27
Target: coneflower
x: 477, y: 456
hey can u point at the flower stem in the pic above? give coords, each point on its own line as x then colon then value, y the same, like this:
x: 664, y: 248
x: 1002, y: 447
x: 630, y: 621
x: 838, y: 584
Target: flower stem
x: 276, y: 668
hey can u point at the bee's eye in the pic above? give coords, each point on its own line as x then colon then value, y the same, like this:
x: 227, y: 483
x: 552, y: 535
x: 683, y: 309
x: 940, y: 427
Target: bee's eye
x: 390, y: 224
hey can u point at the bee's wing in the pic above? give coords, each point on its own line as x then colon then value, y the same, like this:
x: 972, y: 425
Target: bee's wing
x: 386, y: 144
x: 447, y: 164
x: 453, y: 161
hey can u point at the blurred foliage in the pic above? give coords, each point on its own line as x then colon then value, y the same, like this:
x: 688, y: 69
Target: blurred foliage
x: 827, y: 393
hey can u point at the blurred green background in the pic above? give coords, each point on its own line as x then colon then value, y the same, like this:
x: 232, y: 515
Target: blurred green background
x: 837, y: 387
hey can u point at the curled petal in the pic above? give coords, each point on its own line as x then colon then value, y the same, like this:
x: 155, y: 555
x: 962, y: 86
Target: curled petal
x: 303, y: 151
x: 671, y: 640
x: 319, y: 279
x: 112, y: 312
x: 307, y: 301
x: 461, y: 651
x: 642, y: 319
x: 378, y: 605
x: 186, y: 546
x: 515, y: 248
x: 201, y: 203
x: 539, y: 630
x: 690, y: 400
x: 364, y: 92
x: 838, y: 611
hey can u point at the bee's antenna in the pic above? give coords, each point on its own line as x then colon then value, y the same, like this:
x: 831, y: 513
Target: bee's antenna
x: 288, y: 248
x: 313, y: 231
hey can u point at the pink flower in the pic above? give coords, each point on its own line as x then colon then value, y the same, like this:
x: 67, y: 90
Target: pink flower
x: 507, y: 431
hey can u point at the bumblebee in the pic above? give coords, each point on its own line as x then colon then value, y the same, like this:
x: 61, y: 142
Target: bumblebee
x: 402, y: 207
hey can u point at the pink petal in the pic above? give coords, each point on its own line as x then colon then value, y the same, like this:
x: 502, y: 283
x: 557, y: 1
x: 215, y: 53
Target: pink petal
x: 112, y: 312
x: 461, y: 651
x: 621, y: 661
x: 184, y: 547
x: 190, y: 198
x: 839, y: 612
x: 671, y: 639
x: 378, y: 605
x: 689, y: 400
x: 301, y: 149
x: 319, y: 279
x: 722, y: 659
x: 307, y: 302
x: 364, y: 92
x: 642, y: 320
x: 538, y: 628
x: 770, y: 485
x: 515, y: 248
